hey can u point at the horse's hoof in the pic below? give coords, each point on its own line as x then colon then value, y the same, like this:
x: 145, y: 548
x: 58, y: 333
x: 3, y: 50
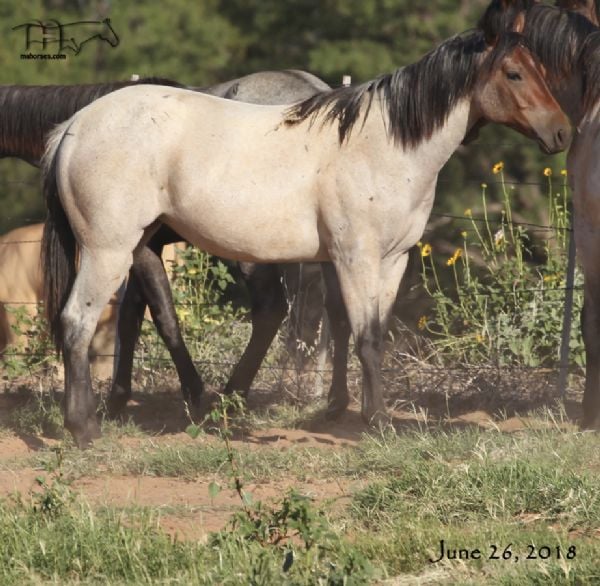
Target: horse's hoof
x: 590, y: 424
x: 115, y: 406
x: 335, y: 409
x: 203, y: 405
x: 85, y: 436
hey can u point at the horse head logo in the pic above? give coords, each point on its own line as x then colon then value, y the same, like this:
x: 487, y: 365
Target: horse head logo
x: 67, y: 37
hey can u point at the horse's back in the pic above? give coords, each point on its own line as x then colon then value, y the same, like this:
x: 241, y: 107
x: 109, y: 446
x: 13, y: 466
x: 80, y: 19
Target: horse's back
x: 270, y: 87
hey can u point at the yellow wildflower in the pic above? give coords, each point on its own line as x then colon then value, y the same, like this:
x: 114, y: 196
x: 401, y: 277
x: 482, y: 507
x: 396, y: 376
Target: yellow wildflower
x: 468, y: 212
x: 463, y: 234
x: 426, y: 250
x: 547, y: 172
x: 499, y: 238
x: 484, y: 185
x: 420, y: 244
x: 479, y: 338
x: 182, y: 313
x: 497, y: 168
x: 564, y: 172
x: 192, y: 272
x: 422, y: 323
x: 452, y: 260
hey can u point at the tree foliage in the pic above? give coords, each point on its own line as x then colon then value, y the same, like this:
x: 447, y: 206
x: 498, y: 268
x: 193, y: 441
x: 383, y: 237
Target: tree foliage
x: 213, y: 40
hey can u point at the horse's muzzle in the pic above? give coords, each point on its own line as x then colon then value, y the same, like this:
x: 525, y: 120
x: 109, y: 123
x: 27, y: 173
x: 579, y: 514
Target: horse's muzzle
x: 556, y: 140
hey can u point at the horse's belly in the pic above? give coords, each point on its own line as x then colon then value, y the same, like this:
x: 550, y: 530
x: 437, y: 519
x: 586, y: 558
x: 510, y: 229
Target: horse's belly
x: 252, y: 239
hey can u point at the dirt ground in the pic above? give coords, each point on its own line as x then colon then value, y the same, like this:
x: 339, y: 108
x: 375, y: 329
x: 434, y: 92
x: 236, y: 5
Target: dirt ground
x: 161, y: 417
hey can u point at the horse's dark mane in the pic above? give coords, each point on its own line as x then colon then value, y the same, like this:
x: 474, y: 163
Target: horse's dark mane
x: 417, y: 98
x: 557, y: 37
x: 28, y: 112
x: 591, y: 70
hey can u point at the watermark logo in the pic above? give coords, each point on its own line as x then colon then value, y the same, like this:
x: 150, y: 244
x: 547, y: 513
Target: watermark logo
x: 52, y: 35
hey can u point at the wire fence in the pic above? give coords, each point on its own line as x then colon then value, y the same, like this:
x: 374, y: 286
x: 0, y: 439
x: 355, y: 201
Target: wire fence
x: 318, y: 367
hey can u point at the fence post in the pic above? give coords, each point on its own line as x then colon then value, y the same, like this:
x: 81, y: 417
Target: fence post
x: 563, y: 365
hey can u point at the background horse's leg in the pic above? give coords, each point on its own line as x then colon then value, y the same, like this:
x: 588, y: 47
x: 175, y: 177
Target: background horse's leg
x: 338, y: 398
x: 269, y: 308
x: 590, y: 325
x: 129, y: 324
x: 150, y: 284
x: 99, y: 276
x: 587, y: 237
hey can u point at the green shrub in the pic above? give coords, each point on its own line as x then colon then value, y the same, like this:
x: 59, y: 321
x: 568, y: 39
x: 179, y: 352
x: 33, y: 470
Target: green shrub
x: 502, y: 308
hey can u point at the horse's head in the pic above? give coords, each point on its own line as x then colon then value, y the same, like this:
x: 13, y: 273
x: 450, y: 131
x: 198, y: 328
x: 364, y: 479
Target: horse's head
x: 557, y: 35
x: 108, y: 34
x: 511, y: 89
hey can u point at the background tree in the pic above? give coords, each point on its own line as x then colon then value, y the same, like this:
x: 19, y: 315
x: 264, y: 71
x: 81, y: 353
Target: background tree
x: 214, y: 40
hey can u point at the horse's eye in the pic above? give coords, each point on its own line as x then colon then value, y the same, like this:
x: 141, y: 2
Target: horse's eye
x: 514, y: 76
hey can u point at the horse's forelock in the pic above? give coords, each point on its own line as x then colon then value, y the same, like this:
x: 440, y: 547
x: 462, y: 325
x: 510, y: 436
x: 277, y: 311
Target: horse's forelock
x: 501, y: 16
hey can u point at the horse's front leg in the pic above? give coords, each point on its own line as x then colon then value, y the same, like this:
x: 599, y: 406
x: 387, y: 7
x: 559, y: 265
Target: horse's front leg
x: 587, y: 236
x: 358, y: 272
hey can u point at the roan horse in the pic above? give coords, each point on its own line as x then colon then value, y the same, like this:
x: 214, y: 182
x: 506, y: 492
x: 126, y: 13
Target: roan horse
x: 28, y: 113
x: 366, y: 161
x: 569, y: 46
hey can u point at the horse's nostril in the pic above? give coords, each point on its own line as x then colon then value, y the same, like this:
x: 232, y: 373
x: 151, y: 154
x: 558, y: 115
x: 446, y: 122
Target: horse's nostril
x: 561, y: 135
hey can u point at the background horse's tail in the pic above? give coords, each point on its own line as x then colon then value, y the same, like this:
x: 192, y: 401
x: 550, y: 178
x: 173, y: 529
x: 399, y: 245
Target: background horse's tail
x: 59, y: 248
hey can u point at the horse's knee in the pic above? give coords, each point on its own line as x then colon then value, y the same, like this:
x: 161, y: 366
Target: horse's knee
x: 368, y: 345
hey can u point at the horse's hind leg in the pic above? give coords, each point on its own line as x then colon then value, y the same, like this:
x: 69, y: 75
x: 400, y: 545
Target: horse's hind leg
x: 150, y: 284
x: 268, y: 310
x: 99, y: 276
x: 338, y: 398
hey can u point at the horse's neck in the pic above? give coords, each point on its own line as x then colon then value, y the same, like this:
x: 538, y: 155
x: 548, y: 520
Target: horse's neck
x: 569, y: 95
x: 409, y: 172
x: 432, y: 153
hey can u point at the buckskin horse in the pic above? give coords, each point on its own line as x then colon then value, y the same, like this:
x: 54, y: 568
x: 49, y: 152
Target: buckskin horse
x: 365, y: 160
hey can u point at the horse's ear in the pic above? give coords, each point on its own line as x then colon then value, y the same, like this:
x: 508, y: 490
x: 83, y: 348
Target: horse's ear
x: 503, y: 15
x: 519, y: 22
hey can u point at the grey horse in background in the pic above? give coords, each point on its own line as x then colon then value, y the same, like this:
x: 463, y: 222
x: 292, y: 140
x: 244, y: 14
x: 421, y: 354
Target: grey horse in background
x: 148, y: 283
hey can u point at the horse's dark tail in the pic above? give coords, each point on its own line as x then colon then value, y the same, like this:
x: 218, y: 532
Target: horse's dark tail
x: 59, y: 248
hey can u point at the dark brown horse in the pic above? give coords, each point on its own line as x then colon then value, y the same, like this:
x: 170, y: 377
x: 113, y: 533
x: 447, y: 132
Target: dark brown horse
x: 568, y: 44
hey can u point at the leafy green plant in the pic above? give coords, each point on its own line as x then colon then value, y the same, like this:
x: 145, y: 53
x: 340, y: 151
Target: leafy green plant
x: 502, y: 308
x: 41, y: 414
x: 290, y: 542
x: 37, y: 352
